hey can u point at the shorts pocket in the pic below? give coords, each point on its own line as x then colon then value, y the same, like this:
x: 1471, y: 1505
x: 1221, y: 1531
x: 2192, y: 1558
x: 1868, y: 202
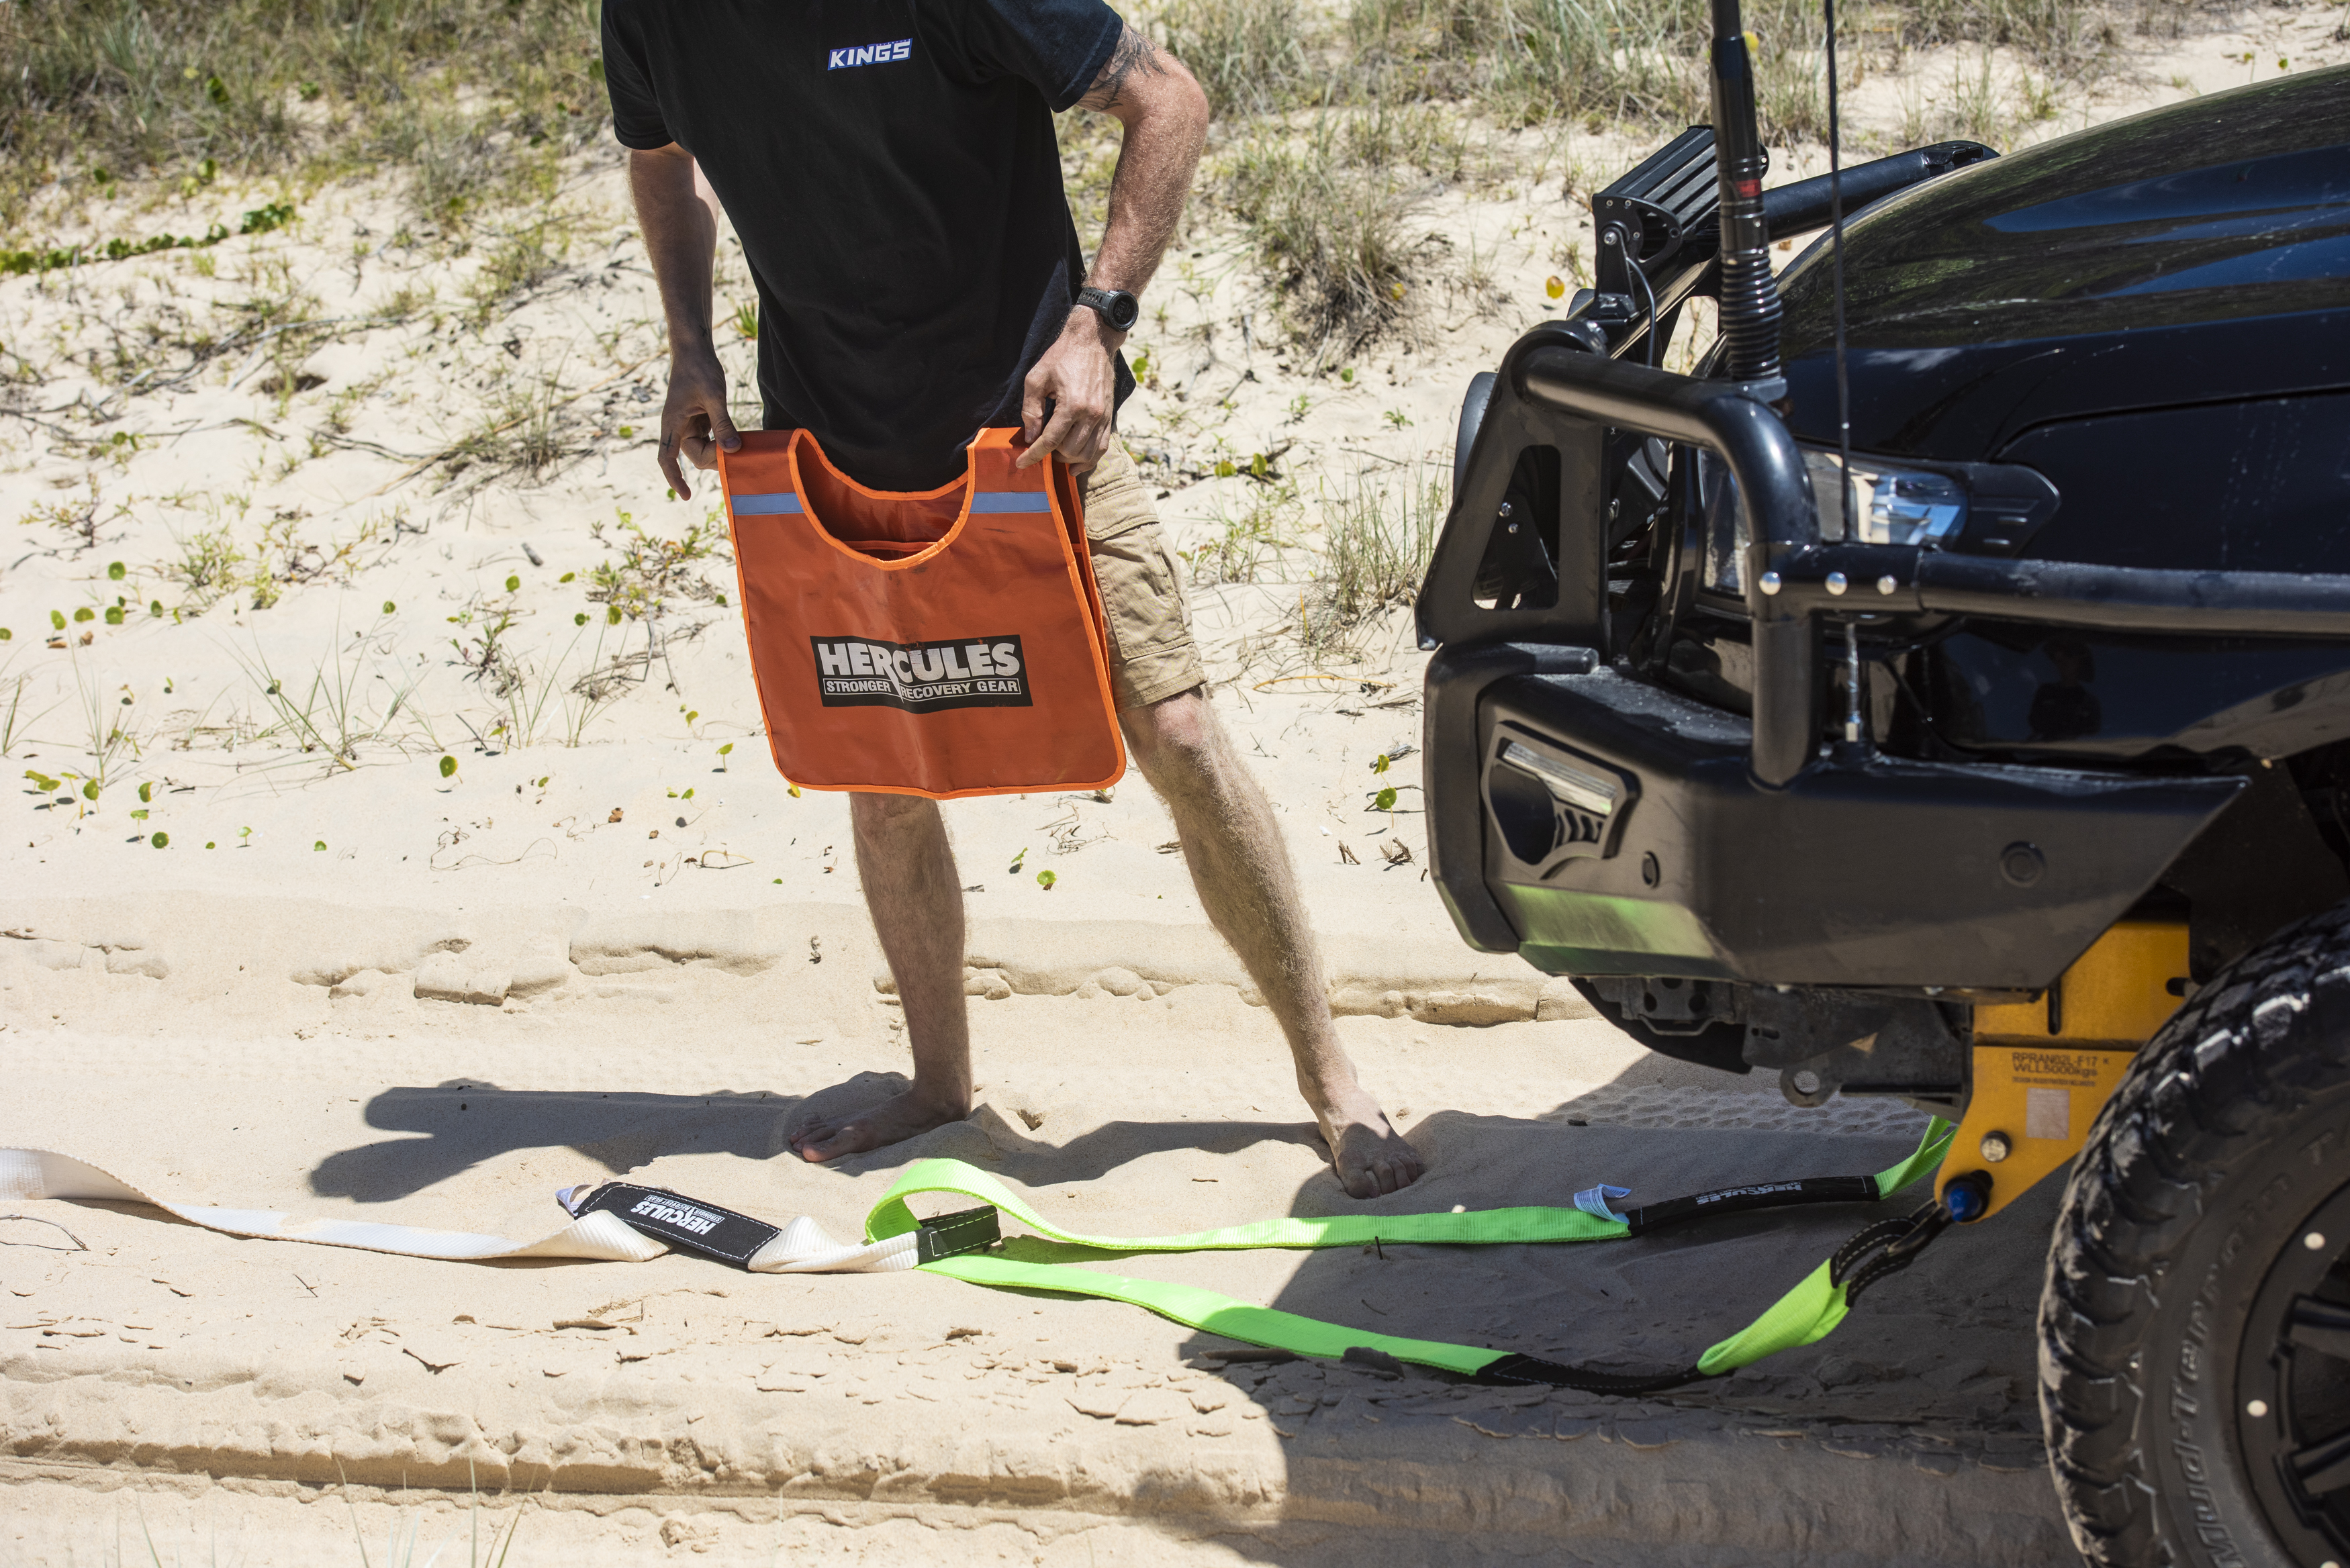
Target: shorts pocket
x: 1115, y: 500
x: 1142, y: 596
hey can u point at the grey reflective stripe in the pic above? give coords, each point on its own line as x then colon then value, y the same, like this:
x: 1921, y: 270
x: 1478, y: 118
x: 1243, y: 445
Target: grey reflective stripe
x: 786, y: 502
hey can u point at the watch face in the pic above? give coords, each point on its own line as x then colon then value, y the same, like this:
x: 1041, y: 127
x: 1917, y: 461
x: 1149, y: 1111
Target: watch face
x: 1115, y: 306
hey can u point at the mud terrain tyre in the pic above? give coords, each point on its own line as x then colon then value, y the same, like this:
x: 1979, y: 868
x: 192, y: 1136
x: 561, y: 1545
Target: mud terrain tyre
x: 2195, y: 1322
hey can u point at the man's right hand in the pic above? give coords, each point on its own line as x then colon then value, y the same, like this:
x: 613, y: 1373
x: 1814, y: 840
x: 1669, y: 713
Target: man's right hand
x: 694, y: 420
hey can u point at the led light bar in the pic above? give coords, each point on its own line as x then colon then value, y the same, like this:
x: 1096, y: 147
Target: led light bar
x: 1579, y: 787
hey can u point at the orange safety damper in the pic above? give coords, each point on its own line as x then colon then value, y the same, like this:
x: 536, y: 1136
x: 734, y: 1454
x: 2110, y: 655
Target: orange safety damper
x: 2043, y: 1068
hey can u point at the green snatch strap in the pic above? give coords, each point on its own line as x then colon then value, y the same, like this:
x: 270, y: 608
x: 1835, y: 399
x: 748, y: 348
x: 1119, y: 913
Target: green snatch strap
x: 1927, y: 1155
x: 1215, y: 1313
x: 1802, y: 1316
x: 1813, y: 1309
x: 890, y: 1218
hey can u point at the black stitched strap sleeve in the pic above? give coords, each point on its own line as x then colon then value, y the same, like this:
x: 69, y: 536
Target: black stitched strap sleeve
x: 1525, y: 1369
x: 1753, y: 1195
x: 965, y: 1231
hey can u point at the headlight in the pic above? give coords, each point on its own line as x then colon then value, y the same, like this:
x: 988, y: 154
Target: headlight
x: 1892, y: 505
x: 1877, y: 503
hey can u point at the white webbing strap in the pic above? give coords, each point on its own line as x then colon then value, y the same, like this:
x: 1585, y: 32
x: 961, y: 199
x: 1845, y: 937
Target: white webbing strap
x: 40, y: 1173
x: 806, y: 1248
x: 803, y: 1248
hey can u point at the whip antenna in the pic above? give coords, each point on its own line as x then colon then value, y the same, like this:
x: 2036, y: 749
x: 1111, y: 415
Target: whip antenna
x: 1750, y: 294
x: 1836, y: 255
x: 1853, y: 729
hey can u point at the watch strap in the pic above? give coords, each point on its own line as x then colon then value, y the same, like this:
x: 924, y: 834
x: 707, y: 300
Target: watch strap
x: 1111, y: 303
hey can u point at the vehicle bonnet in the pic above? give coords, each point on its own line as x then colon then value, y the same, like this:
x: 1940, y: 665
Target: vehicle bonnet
x: 2196, y: 252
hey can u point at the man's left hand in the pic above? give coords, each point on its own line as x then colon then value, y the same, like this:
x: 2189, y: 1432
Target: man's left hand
x: 1076, y: 378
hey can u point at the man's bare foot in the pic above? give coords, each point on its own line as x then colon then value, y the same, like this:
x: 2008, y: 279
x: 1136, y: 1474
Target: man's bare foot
x: 900, y: 1116
x: 1371, y: 1155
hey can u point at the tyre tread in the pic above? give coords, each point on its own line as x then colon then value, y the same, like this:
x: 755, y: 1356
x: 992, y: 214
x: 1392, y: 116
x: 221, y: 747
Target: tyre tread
x: 2230, y: 1067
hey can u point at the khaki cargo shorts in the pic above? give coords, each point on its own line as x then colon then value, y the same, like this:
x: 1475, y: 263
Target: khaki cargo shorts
x: 1151, y: 656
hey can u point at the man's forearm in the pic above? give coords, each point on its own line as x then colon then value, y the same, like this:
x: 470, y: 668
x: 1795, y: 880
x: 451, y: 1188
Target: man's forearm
x: 1068, y: 400
x: 1145, y: 201
x: 681, y: 241
x: 1166, y: 119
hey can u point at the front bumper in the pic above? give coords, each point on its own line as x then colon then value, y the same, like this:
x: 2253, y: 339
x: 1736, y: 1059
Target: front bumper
x: 1745, y: 850
x: 1882, y: 873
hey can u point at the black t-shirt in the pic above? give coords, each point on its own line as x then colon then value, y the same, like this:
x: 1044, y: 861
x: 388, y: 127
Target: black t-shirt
x: 891, y: 170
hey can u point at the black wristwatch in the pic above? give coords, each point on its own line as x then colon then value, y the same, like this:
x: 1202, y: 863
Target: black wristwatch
x: 1120, y: 309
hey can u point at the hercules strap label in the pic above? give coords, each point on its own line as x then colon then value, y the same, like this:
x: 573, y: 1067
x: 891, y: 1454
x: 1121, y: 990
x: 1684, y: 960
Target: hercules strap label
x: 684, y: 1223
x: 922, y: 677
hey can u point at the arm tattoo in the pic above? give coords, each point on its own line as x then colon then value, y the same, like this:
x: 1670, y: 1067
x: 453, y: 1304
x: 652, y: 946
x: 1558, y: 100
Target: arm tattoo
x: 1134, y: 54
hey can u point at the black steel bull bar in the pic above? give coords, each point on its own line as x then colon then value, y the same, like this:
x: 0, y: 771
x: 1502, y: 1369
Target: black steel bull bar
x: 1553, y: 389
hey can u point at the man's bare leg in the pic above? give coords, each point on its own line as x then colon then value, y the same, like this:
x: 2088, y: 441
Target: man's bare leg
x: 1241, y: 868
x: 916, y: 901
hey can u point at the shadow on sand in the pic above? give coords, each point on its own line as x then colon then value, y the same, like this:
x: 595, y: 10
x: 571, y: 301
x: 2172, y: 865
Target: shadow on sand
x: 454, y: 1127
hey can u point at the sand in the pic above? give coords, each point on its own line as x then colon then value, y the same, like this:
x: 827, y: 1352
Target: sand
x: 284, y: 959
x: 206, y: 1381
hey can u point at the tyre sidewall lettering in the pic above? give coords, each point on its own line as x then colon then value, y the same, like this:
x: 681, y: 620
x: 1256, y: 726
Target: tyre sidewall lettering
x: 2189, y: 1420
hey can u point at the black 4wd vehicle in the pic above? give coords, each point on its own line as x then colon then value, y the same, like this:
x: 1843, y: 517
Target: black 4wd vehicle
x: 1946, y: 694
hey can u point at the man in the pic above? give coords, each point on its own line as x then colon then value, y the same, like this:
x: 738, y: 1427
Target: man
x: 893, y: 176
